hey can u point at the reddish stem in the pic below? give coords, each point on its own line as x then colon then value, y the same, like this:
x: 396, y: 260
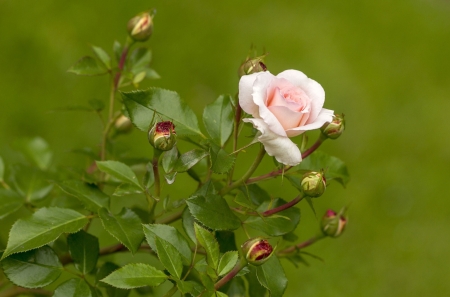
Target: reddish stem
x: 121, y: 65
x: 300, y: 245
x: 231, y: 274
x: 283, y: 207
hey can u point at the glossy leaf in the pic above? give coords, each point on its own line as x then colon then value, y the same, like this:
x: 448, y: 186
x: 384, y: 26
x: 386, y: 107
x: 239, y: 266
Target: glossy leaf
x: 226, y: 240
x: 119, y: 171
x: 89, y: 66
x: 33, y: 269
x: 105, y: 270
x: 227, y: 262
x: 189, y: 287
x: 135, y: 275
x: 127, y: 189
x: 221, y: 161
x: 42, y: 227
x: 256, y: 194
x: 142, y: 105
x: 218, y: 119
x: 102, y: 56
x: 236, y: 288
x: 244, y: 201
x: 169, y: 257
x: 10, y: 202
x: 75, y: 287
x: 254, y: 287
x: 140, y: 58
x: 189, y: 159
x: 36, y: 150
x: 125, y: 227
x: 188, y: 224
x: 169, y: 159
x: 271, y: 276
x: 213, y: 212
x: 31, y: 183
x: 90, y: 195
x: 84, y: 249
x: 172, y: 236
x: 278, y: 224
x: 209, y: 243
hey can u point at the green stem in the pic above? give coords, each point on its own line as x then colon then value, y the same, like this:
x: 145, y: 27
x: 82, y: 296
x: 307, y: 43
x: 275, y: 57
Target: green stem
x: 16, y: 291
x: 4, y: 184
x: 155, y: 165
x: 171, y: 218
x: 171, y: 292
x: 231, y: 274
x: 247, y: 175
x: 300, y: 246
x: 283, y: 207
x: 237, y: 121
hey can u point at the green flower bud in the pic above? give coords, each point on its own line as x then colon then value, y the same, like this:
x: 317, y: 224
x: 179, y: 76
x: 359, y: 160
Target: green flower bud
x: 333, y: 224
x: 257, y: 251
x: 163, y: 136
x: 252, y: 65
x: 123, y: 125
x: 334, y: 129
x: 140, y: 27
x: 314, y: 183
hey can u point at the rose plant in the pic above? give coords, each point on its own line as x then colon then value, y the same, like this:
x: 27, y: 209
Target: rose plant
x: 233, y: 231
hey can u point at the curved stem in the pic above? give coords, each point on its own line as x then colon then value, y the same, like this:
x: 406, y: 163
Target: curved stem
x: 315, y: 146
x: 171, y: 292
x: 300, y: 246
x: 283, y: 207
x: 231, y: 274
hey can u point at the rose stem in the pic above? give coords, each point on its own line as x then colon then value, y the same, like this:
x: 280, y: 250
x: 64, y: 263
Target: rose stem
x: 315, y: 146
x: 152, y: 202
x: 237, y: 121
x: 231, y: 274
x: 247, y: 175
x: 300, y: 246
x: 283, y: 207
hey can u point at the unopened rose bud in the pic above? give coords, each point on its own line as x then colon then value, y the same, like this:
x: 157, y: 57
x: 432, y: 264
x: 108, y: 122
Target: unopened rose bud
x: 334, y: 129
x: 123, y: 124
x: 252, y: 65
x: 314, y: 183
x: 140, y: 27
x: 333, y: 223
x: 162, y: 136
x: 257, y: 251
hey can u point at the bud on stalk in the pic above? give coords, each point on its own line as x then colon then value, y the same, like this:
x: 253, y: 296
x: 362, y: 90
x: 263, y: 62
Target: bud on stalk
x: 252, y: 65
x: 257, y: 251
x: 334, y: 129
x: 314, y: 184
x: 140, y: 27
x: 333, y: 224
x: 163, y: 136
x: 123, y: 124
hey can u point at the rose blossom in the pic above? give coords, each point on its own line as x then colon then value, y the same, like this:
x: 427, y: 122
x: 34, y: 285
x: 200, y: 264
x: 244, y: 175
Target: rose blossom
x: 283, y: 106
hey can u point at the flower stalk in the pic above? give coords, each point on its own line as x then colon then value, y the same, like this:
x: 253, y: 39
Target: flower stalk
x: 306, y: 243
x: 231, y: 274
x: 283, y: 207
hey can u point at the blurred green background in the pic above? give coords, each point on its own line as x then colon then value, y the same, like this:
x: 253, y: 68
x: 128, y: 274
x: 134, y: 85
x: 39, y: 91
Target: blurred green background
x: 385, y: 64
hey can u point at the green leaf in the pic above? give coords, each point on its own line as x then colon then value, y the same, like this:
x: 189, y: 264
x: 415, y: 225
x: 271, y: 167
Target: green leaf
x: 227, y: 262
x: 169, y: 159
x: 135, y: 275
x: 83, y: 248
x: 334, y: 167
x: 140, y: 58
x: 75, y: 287
x: 226, y: 240
x: 218, y: 119
x: 33, y: 269
x: 256, y: 194
x: 102, y: 56
x: 276, y: 225
x: 209, y: 243
x: 213, y: 212
x: 96, y: 105
x: 88, y: 66
x: 119, y: 171
x: 169, y: 257
x: 31, y: 183
x: 219, y: 294
x: 36, y: 150
x: 127, y: 189
x: 172, y: 236
x: 42, y: 227
x: 103, y: 272
x: 142, y: 105
x: 237, y: 288
x: 189, y: 159
x: 271, y: 276
x: 2, y: 169
x: 190, y: 287
x: 221, y: 161
x: 125, y: 227
x: 254, y: 287
x: 10, y: 202
x: 117, y: 48
x: 91, y: 196
x: 188, y: 224
x: 244, y: 201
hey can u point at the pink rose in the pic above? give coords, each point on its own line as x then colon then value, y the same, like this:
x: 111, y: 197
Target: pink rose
x: 283, y: 106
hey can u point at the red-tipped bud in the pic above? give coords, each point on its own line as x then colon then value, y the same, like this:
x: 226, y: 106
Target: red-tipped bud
x: 140, y: 27
x: 314, y: 183
x: 257, y: 251
x: 333, y: 224
x: 334, y: 129
x: 163, y: 136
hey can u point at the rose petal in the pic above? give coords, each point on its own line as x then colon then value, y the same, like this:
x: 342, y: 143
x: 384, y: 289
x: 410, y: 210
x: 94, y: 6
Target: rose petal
x: 282, y: 148
x: 245, y: 94
x: 312, y: 88
x: 325, y: 115
x: 288, y: 118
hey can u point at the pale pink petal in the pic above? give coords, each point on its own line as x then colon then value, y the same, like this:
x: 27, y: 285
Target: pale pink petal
x: 282, y: 148
x: 325, y: 115
x: 289, y: 118
x: 245, y: 94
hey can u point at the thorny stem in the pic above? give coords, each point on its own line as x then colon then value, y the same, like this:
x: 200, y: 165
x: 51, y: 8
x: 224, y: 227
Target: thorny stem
x: 300, y: 246
x: 231, y: 274
x: 16, y: 291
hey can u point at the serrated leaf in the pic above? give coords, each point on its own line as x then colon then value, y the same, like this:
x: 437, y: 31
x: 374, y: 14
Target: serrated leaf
x: 221, y: 161
x: 119, y: 171
x: 169, y: 158
x: 283, y: 223
x: 30, y: 183
x: 209, y: 243
x: 103, y: 56
x: 36, y: 150
x: 218, y: 119
x: 271, y: 276
x: 10, y: 202
x: 169, y: 257
x: 90, y: 195
x: 135, y: 275
x: 33, y: 269
x: 42, y: 227
x: 227, y: 262
x: 256, y: 194
x: 89, y: 66
x: 75, y: 287
x: 126, y: 189
x: 244, y: 201
x: 188, y: 224
x: 189, y: 287
x: 334, y: 167
x: 254, y: 287
x: 236, y: 288
x: 189, y: 159
x: 142, y: 105
x: 125, y: 227
x: 172, y: 236
x: 84, y: 249
x: 213, y: 211
x: 105, y: 270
